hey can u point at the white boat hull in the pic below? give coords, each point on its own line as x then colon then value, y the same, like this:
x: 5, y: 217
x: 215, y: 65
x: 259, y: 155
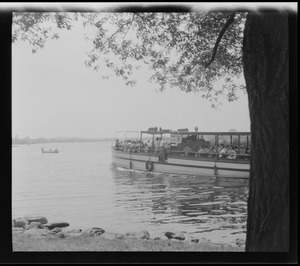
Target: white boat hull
x: 183, y: 165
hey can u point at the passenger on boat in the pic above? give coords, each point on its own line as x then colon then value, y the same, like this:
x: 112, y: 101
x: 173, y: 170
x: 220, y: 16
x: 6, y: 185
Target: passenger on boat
x: 223, y: 151
x: 157, y: 145
x: 231, y: 153
x: 241, y: 152
x: 201, y: 151
x: 187, y: 149
x: 146, y: 148
x: 167, y: 146
x: 212, y: 151
x: 248, y: 152
x: 135, y: 146
x: 117, y: 144
x: 129, y: 145
x: 206, y: 149
x: 162, y: 143
x: 162, y: 151
x: 122, y: 146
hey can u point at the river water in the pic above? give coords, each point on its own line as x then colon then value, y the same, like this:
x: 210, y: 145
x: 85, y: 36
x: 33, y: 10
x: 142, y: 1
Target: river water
x: 80, y: 185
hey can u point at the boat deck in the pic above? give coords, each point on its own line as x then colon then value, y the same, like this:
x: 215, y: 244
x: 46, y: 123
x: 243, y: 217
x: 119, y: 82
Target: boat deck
x: 182, y: 164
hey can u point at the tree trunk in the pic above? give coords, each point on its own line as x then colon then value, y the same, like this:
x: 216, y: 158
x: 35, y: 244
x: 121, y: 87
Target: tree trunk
x: 266, y: 70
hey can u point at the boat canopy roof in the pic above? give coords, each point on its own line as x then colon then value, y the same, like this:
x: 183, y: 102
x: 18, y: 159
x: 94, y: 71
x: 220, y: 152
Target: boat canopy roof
x: 195, y: 133
x: 167, y: 131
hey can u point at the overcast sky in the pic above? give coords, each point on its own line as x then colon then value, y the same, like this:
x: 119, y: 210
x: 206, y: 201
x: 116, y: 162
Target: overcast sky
x: 55, y: 95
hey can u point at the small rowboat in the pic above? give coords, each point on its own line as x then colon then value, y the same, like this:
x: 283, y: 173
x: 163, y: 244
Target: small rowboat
x: 56, y: 151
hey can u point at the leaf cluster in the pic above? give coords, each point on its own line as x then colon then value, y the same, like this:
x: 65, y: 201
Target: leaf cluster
x: 37, y: 28
x: 176, y: 47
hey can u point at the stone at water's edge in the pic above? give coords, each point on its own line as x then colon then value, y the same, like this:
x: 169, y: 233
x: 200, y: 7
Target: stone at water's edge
x: 55, y: 230
x: 73, y: 232
x: 240, y: 242
x: 169, y: 235
x: 19, y: 222
x: 40, y: 219
x: 26, y: 220
x: 60, y: 234
x: 57, y: 224
x: 33, y: 225
x: 144, y: 234
x: 177, y: 235
x: 95, y: 231
x: 36, y: 226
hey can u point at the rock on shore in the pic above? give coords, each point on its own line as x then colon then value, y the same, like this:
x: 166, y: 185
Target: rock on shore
x: 144, y: 234
x: 38, y: 226
x: 26, y: 220
x: 175, y: 235
x: 50, y: 226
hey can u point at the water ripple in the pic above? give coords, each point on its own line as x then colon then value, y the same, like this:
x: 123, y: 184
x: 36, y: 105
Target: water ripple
x: 81, y: 186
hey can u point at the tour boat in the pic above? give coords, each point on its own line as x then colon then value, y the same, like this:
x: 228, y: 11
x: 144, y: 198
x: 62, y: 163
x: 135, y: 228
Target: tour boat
x: 177, y: 160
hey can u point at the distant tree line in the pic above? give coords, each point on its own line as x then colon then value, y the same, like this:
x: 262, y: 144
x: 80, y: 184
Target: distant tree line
x: 28, y: 140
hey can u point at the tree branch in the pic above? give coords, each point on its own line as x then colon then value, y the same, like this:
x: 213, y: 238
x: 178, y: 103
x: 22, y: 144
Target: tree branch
x: 219, y: 19
x: 227, y: 24
x: 119, y: 30
x: 129, y: 26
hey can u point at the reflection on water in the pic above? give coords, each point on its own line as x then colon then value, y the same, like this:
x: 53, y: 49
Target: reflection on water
x: 81, y: 186
x: 196, y: 205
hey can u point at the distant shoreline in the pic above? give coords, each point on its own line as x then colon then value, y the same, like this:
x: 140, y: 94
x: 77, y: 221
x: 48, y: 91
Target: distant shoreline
x: 28, y: 141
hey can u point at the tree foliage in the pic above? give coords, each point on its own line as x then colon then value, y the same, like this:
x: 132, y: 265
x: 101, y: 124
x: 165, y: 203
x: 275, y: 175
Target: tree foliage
x: 192, y: 51
x: 37, y: 28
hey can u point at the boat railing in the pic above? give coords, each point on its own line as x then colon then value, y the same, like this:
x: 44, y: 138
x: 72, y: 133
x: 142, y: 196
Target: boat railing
x: 206, y: 155
x: 188, y: 154
x: 134, y: 150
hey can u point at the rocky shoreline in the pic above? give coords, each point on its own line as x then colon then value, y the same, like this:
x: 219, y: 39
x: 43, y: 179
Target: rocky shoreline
x: 39, y: 227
